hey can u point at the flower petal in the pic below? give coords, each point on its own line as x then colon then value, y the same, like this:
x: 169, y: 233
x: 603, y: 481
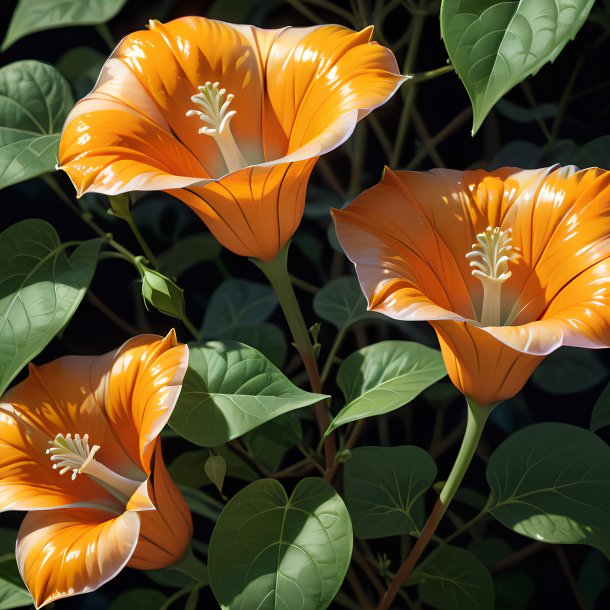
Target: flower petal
x: 479, y: 365
x: 143, y: 387
x: 165, y: 533
x: 67, y: 552
x: 254, y: 211
x: 315, y: 77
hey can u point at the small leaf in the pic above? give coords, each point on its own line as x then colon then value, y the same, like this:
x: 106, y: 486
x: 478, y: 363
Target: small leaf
x: 35, y: 100
x: 569, y: 370
x: 35, y: 15
x: 216, y: 469
x: 551, y: 482
x: 495, y: 45
x: 230, y: 389
x: 188, y: 252
x: 161, y: 292
x: 341, y: 302
x: 40, y: 289
x: 271, y: 551
x: 600, y: 417
x: 451, y: 578
x: 121, y: 206
x: 139, y: 599
x: 382, y: 486
x: 237, y: 303
x: 385, y: 376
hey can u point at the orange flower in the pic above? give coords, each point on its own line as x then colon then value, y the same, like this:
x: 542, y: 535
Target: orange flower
x: 507, y: 266
x: 228, y: 118
x: 79, y: 448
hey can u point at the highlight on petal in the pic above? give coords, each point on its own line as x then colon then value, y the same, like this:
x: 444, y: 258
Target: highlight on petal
x: 142, y: 389
x: 165, y: 533
x: 67, y: 552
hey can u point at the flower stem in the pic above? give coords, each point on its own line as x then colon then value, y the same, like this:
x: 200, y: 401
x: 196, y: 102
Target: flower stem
x: 276, y: 272
x: 477, y: 416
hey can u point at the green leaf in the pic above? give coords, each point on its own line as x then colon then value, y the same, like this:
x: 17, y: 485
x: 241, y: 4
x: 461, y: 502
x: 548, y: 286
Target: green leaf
x: 522, y: 114
x: 81, y: 66
x: 12, y: 592
x: 341, y: 302
x: 216, y: 469
x: 201, y: 503
x: 569, y: 370
x: 139, y: 599
x: 188, y: 252
x: 593, y: 577
x: 230, y: 389
x: 237, y: 303
x: 551, y: 482
x: 382, y: 486
x: 267, y: 338
x: 495, y: 45
x: 35, y: 99
x: 40, y: 289
x: 35, y: 15
x: 600, y: 416
x: 269, y: 551
x: 385, y: 376
x: 451, y: 578
x: 270, y: 442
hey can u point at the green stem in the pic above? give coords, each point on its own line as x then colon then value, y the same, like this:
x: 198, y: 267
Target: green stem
x: 417, y: 25
x: 104, y: 31
x: 276, y: 272
x: 145, y: 248
x: 421, y: 77
x: 332, y: 353
x: 477, y: 416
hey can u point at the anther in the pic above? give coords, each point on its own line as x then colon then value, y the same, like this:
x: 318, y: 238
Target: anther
x: 489, y: 259
x: 216, y: 117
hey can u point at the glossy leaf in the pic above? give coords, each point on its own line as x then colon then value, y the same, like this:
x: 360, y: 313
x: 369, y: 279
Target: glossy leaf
x: 382, y: 487
x: 13, y: 594
x: 451, y: 578
x: 600, y: 417
x: 40, y: 289
x: 230, y: 389
x: 34, y: 102
x: 569, y: 370
x: 237, y: 303
x: 35, y: 15
x: 267, y: 338
x: 385, y: 376
x: 551, y: 482
x: 495, y: 45
x: 341, y: 302
x: 269, y: 551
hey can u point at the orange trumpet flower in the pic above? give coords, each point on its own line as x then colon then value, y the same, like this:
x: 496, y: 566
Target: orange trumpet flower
x: 79, y: 448
x: 507, y: 266
x: 228, y: 118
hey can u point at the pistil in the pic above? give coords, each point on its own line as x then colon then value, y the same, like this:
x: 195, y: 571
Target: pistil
x: 68, y: 453
x: 490, y: 257
x: 216, y: 117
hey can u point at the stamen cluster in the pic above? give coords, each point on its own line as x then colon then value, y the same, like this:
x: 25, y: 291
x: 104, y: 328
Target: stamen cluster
x: 70, y: 453
x: 214, y: 108
x: 494, y: 251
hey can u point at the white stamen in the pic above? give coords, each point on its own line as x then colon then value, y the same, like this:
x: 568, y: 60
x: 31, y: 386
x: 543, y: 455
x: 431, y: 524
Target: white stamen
x: 489, y: 258
x: 74, y: 454
x: 216, y: 117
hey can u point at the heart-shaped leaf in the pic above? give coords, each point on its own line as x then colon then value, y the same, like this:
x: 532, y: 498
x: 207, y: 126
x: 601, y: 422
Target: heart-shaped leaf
x: 35, y: 15
x: 40, y: 289
x: 495, y: 45
x: 551, y: 482
x: 230, y: 389
x: 451, y: 578
x: 341, y: 302
x: 270, y: 551
x: 383, y: 486
x: 34, y: 102
x: 385, y: 376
